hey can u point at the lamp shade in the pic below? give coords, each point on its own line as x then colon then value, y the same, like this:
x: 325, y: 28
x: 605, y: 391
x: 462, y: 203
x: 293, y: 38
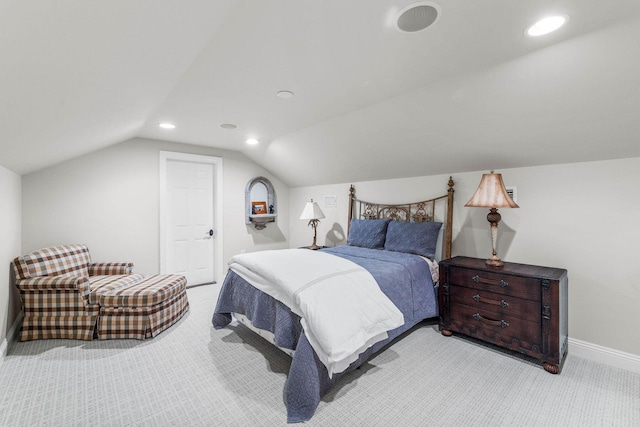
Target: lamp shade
x: 491, y: 193
x: 312, y: 211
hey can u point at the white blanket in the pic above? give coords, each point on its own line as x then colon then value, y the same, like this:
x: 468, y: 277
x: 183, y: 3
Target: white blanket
x: 343, y: 310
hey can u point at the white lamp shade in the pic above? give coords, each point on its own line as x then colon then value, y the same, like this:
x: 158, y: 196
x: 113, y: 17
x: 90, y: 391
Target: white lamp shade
x: 312, y: 211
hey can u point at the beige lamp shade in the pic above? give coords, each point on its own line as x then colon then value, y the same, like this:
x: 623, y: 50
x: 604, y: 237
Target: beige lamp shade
x: 312, y: 211
x: 491, y: 193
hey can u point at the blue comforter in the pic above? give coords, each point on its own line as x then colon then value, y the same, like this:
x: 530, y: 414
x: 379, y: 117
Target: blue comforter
x: 404, y: 278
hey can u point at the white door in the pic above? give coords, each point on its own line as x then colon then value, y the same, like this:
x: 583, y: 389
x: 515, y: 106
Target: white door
x: 189, y: 220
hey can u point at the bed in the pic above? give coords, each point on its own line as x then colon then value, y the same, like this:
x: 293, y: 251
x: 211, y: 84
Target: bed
x: 394, y: 245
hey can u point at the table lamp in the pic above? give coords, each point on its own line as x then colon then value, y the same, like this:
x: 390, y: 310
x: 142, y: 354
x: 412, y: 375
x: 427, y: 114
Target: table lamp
x: 492, y: 194
x: 313, y: 213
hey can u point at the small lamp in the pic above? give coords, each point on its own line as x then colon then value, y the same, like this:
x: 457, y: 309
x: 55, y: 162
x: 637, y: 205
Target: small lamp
x: 492, y: 194
x: 313, y: 213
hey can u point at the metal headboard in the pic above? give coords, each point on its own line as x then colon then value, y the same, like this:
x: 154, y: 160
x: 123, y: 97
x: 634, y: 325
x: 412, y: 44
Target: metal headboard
x: 421, y: 211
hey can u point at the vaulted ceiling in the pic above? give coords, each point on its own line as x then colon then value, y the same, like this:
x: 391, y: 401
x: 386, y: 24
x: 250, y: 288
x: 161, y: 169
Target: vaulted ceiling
x: 470, y: 92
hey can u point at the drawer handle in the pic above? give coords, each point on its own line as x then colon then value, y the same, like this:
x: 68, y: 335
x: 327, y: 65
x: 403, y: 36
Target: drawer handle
x: 501, y: 323
x: 501, y: 303
x: 477, y: 279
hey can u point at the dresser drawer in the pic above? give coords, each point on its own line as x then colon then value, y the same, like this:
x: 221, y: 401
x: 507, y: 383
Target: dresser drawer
x: 496, y: 282
x: 496, y: 304
x: 503, y: 330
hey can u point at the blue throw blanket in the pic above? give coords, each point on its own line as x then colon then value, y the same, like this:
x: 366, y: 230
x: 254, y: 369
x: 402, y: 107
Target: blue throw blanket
x: 404, y: 278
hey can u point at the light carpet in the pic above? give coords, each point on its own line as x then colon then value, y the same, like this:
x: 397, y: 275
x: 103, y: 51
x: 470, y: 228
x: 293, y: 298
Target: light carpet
x: 192, y: 375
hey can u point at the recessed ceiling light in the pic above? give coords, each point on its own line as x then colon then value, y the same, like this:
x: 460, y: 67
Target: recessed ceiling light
x: 252, y: 141
x: 167, y: 125
x: 285, y: 94
x: 228, y: 126
x: 546, y: 25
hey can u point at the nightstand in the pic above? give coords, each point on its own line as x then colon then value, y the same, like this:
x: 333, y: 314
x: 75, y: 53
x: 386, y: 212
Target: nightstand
x: 516, y: 306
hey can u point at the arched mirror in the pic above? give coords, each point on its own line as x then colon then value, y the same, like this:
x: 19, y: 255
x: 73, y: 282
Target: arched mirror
x: 260, y: 202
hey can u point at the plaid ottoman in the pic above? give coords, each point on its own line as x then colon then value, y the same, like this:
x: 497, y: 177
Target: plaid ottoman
x: 143, y: 309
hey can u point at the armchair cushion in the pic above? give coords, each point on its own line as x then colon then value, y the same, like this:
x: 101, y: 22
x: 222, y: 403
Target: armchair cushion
x: 64, y: 260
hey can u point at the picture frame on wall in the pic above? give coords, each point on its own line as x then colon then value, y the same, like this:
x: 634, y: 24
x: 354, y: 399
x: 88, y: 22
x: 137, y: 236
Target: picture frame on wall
x: 258, y: 208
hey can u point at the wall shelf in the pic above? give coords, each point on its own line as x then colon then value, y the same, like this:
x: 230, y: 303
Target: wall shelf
x: 261, y: 221
x: 260, y: 196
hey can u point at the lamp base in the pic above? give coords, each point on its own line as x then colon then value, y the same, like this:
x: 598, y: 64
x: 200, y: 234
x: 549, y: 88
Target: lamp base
x: 494, y: 261
x: 494, y: 218
x: 314, y: 224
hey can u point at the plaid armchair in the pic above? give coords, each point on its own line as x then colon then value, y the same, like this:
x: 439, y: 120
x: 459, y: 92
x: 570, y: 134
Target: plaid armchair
x: 58, y: 288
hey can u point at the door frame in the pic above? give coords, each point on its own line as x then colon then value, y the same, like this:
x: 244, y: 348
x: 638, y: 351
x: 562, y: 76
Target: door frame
x: 166, y: 156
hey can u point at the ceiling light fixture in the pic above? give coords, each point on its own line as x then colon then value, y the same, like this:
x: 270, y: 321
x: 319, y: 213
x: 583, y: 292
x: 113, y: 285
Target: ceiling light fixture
x: 252, y: 141
x: 546, y: 25
x: 417, y: 16
x: 228, y: 126
x: 285, y: 94
x: 166, y: 125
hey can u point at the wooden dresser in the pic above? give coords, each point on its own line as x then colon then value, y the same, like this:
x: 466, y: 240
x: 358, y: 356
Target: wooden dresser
x: 516, y: 306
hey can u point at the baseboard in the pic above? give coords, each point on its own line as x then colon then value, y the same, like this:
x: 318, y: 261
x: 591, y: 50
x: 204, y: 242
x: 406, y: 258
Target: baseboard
x: 12, y: 335
x: 608, y: 356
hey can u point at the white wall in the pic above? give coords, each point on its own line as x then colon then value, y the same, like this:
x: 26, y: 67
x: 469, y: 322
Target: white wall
x: 109, y: 200
x: 582, y: 217
x: 10, y: 195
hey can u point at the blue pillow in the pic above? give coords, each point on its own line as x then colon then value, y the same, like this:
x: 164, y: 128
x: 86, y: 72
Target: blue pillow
x: 419, y: 238
x: 368, y: 233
